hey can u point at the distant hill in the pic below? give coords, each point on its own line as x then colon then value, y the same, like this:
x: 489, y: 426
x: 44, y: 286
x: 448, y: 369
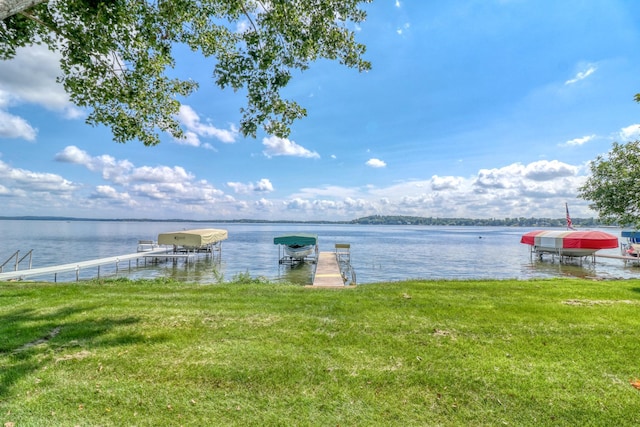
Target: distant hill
x: 368, y: 220
x: 506, y: 222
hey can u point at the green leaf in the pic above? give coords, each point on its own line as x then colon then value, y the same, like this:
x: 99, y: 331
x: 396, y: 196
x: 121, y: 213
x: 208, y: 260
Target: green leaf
x: 116, y: 55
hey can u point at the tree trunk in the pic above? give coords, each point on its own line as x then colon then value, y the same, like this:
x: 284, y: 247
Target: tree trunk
x: 11, y: 7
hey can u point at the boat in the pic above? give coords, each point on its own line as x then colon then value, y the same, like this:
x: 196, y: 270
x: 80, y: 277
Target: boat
x: 297, y: 247
x: 298, y: 252
x: 569, y: 243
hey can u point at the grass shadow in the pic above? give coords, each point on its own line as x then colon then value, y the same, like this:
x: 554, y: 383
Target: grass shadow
x: 28, y: 337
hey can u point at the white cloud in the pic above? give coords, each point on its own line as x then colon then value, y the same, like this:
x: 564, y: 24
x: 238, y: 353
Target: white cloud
x: 110, y: 194
x: 190, y: 138
x: 196, y: 129
x: 263, y: 204
x: 582, y: 75
x: 298, y: 204
x: 400, y: 31
x: 630, y: 133
x: 513, y: 176
x: 72, y: 154
x: 262, y: 186
x: 116, y: 170
x: 30, y: 78
x: 376, y: 163
x: 536, y: 189
x: 445, y: 183
x: 173, y: 186
x: 284, y: 147
x: 15, y: 127
x: 580, y: 141
x: 161, y: 174
x: 545, y: 170
x: 22, y: 181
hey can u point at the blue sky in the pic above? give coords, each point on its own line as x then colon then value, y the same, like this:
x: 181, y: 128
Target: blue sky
x: 482, y: 109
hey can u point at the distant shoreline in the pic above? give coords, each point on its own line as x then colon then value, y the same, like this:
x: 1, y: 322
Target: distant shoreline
x: 368, y: 220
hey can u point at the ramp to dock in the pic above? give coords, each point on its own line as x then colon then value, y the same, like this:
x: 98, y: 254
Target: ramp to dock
x: 328, y: 272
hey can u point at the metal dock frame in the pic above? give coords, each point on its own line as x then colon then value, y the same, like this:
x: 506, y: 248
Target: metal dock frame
x: 77, y: 266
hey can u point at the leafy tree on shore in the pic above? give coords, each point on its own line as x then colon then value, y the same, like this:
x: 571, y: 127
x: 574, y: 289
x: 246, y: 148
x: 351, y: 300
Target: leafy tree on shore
x: 115, y: 54
x: 614, y: 185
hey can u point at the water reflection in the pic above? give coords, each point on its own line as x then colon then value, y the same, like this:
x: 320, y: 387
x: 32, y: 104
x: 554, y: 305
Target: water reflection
x: 557, y: 269
x: 298, y: 273
x: 207, y: 269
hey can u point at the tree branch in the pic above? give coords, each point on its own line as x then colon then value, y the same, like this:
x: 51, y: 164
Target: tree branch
x: 57, y: 31
x: 244, y: 10
x: 12, y: 7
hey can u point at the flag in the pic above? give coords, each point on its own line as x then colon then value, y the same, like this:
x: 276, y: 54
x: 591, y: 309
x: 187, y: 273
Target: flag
x: 569, y: 224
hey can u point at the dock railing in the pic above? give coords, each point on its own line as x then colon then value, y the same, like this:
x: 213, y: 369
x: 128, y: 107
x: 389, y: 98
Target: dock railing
x: 15, y: 255
x: 343, y: 252
x: 343, y: 256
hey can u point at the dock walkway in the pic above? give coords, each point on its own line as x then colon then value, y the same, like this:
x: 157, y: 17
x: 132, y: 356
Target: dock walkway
x: 622, y: 257
x: 77, y: 266
x: 327, y: 272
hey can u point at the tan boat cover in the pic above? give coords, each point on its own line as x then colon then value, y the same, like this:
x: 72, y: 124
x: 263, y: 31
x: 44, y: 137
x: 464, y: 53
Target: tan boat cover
x: 193, y: 238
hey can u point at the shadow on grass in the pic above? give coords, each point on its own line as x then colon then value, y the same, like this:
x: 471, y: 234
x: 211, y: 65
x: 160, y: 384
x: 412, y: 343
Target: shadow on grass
x: 28, y: 337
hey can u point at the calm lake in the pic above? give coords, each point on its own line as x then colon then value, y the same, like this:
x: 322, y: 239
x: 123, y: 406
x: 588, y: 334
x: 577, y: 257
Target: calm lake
x: 378, y: 253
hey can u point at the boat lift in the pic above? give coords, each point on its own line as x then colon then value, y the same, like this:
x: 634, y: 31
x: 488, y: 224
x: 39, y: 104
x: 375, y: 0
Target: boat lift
x: 302, y: 240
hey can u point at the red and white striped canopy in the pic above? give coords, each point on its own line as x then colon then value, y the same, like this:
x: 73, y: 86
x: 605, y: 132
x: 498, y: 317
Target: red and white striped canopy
x: 571, y: 239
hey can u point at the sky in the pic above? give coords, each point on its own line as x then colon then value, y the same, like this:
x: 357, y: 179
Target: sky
x: 472, y: 108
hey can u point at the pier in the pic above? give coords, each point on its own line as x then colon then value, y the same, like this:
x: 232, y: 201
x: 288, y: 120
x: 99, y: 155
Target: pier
x: 78, y: 266
x: 156, y: 255
x: 333, y: 269
x: 625, y: 258
x: 175, y: 245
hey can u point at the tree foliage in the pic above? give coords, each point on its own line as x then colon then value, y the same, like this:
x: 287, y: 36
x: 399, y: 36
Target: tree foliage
x: 116, y: 54
x: 614, y: 185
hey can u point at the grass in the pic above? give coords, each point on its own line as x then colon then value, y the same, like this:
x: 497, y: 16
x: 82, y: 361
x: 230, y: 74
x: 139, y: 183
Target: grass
x: 148, y: 353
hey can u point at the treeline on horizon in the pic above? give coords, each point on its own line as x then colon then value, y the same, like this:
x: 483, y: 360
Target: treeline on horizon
x: 506, y: 222
x: 367, y: 220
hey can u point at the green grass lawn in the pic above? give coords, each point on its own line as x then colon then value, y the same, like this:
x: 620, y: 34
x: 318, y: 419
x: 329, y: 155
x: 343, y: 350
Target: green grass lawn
x: 161, y: 353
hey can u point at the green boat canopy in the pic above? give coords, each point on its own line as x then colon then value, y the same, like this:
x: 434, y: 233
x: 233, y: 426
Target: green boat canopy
x: 296, y: 239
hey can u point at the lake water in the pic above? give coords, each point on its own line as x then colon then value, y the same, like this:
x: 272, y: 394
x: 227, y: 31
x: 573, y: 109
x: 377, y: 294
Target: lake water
x: 378, y: 253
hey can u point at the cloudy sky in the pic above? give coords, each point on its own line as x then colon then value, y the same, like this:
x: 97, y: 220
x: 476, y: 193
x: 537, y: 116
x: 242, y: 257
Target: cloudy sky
x: 482, y: 109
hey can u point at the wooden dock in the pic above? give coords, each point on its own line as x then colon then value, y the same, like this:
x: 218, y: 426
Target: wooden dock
x: 328, y: 273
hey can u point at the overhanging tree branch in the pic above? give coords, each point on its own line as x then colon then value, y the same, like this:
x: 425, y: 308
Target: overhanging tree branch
x: 139, y: 100
x: 11, y: 7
